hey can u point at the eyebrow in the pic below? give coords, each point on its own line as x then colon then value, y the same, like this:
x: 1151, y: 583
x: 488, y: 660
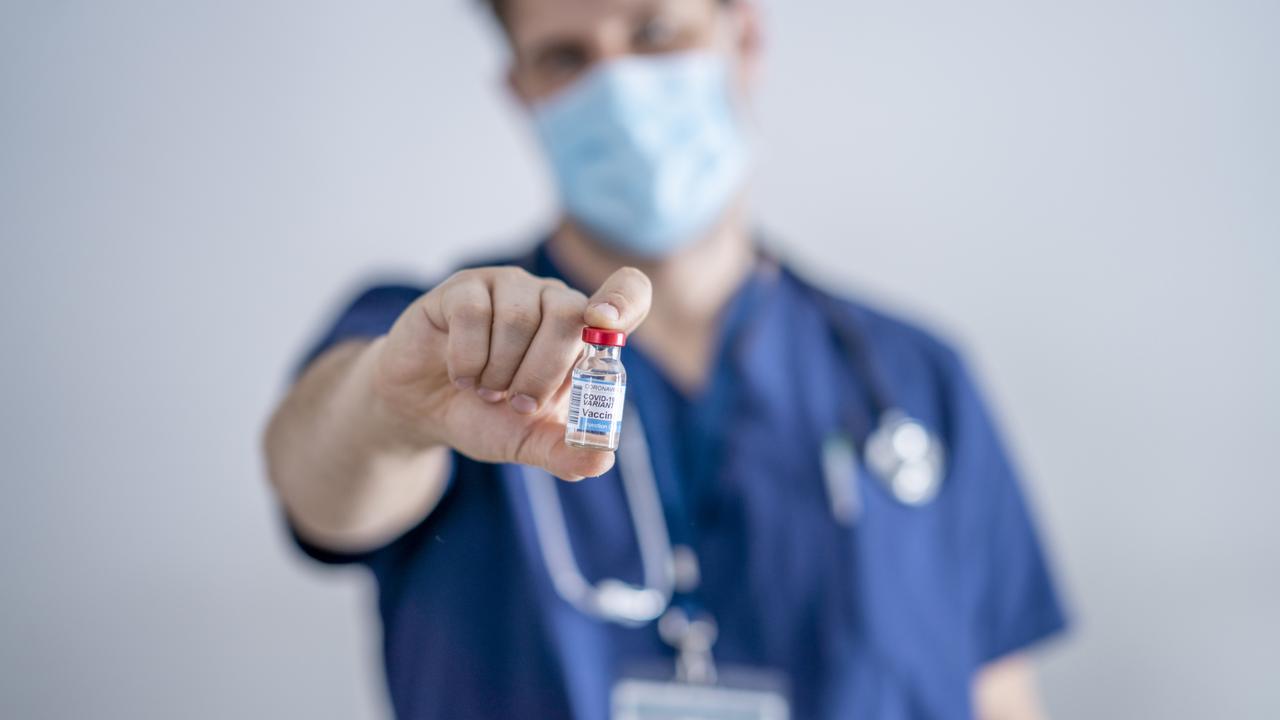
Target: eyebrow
x: 645, y: 13
x: 557, y: 40
x: 553, y: 43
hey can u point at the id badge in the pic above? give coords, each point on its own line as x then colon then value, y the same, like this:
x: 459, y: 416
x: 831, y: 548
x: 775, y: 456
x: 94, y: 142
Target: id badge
x: 636, y: 699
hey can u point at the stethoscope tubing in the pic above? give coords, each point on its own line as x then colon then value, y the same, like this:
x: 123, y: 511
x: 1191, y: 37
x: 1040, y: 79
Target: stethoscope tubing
x: 629, y: 605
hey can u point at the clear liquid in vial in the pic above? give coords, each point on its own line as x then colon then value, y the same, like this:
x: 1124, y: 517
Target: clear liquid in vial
x: 597, y: 396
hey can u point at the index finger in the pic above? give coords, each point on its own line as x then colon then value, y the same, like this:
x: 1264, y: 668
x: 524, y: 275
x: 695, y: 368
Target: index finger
x: 622, y: 302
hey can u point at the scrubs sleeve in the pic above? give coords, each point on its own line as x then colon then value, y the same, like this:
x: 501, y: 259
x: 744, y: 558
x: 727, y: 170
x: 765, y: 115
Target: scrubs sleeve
x: 370, y: 315
x: 1010, y: 592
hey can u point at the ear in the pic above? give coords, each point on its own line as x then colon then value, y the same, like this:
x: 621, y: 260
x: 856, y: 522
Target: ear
x: 516, y: 86
x: 747, y: 39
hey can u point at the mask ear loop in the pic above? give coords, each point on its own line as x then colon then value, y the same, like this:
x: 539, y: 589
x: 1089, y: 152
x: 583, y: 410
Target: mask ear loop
x: 739, y: 101
x: 731, y: 31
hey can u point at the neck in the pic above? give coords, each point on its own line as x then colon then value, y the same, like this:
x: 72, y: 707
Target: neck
x: 690, y: 288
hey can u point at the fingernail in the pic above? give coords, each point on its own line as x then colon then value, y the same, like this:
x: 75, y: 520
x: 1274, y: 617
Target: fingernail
x: 607, y: 310
x: 524, y: 404
x: 489, y: 395
x: 465, y: 383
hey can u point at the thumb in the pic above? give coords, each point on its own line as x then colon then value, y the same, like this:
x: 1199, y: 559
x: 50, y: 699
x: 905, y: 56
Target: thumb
x: 622, y: 302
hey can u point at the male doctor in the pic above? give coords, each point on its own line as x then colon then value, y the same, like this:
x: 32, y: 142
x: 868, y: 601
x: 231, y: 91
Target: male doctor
x: 411, y: 436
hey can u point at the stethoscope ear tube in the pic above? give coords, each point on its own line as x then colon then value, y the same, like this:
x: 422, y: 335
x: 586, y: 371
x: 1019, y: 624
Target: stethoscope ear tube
x: 902, y: 453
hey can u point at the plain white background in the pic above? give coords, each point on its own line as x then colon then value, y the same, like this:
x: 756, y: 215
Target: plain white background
x: 1086, y: 195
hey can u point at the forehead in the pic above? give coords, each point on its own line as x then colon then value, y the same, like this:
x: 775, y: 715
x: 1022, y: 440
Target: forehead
x: 532, y: 21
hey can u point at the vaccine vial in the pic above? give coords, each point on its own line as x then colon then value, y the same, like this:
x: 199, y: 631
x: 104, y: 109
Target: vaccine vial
x: 597, y: 391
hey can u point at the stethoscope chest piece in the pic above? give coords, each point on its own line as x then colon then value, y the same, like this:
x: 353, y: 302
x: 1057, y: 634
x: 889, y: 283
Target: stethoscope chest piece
x: 906, y: 457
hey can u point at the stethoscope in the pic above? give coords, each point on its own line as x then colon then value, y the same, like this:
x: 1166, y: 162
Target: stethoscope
x: 900, y: 452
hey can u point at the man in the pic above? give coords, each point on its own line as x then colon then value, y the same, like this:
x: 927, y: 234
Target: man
x: 401, y: 444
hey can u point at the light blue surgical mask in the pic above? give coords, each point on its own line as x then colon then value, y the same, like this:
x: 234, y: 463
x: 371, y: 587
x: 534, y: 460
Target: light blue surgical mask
x: 647, y: 152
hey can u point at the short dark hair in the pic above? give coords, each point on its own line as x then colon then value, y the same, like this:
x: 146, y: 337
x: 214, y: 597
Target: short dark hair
x: 499, y: 9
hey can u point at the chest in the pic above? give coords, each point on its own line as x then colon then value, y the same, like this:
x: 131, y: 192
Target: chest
x: 841, y: 609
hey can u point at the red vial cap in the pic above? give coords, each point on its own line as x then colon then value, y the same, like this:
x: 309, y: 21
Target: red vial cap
x: 601, y: 336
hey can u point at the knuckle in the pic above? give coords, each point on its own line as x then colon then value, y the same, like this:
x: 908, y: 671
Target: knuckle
x: 471, y: 312
x: 534, y: 383
x: 428, y: 306
x: 564, y: 311
x: 562, y: 295
x: 512, y: 274
x: 464, y: 275
x: 520, y: 320
x: 568, y: 327
x: 569, y: 304
x: 571, y: 312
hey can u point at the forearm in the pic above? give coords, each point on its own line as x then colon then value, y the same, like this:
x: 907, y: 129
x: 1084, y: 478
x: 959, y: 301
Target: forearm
x: 348, y: 472
x: 1006, y: 690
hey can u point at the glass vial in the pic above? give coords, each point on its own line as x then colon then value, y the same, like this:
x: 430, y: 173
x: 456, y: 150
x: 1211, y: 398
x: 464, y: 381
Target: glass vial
x: 597, y: 392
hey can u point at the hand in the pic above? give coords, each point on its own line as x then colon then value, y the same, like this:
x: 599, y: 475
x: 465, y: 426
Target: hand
x: 482, y: 364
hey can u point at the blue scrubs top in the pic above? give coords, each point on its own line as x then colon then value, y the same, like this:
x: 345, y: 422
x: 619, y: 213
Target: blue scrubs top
x: 888, y: 618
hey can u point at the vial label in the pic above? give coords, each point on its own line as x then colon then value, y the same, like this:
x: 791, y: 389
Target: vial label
x: 595, y: 405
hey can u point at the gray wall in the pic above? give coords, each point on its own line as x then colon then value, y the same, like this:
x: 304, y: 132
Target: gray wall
x: 1086, y: 194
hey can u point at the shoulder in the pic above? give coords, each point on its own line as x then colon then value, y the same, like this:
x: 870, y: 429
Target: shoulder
x: 895, y: 338
x: 373, y: 308
x: 906, y: 361
x: 366, y: 314
x: 379, y: 295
